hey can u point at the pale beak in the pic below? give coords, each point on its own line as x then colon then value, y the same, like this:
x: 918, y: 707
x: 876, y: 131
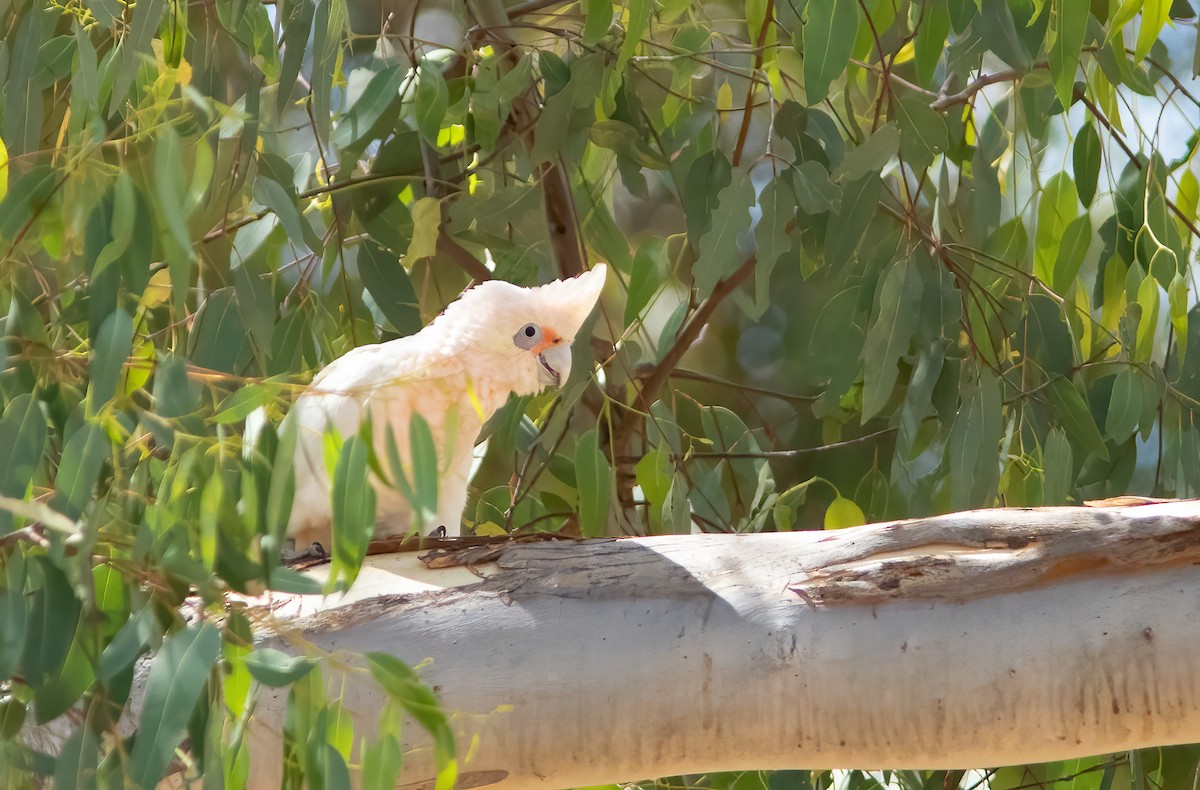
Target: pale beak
x: 554, y: 365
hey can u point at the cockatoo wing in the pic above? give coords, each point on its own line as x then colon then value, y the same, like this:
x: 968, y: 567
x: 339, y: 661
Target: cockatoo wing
x: 377, y: 381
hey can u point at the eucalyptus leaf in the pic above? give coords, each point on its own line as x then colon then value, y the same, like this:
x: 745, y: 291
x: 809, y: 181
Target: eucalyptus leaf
x: 177, y: 676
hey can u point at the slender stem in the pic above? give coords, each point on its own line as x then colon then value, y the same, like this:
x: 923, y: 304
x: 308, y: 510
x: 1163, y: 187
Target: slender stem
x: 747, y: 112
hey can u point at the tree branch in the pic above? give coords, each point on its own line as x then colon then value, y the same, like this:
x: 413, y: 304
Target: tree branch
x: 1073, y: 633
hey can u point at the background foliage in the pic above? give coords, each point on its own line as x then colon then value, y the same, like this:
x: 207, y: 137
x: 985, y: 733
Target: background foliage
x: 876, y: 259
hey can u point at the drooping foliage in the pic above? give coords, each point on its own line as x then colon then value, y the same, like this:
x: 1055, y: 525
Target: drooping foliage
x: 875, y: 259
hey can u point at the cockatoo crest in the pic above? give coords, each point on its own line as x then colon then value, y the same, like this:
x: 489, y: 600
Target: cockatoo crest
x: 498, y: 322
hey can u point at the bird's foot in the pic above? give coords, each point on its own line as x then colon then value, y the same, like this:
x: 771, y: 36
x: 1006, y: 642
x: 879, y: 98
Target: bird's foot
x: 313, y: 551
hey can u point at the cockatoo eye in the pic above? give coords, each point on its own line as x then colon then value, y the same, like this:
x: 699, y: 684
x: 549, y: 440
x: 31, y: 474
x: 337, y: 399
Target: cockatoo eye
x: 528, y: 337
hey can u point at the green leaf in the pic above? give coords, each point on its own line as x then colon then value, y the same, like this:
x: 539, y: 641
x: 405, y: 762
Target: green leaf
x: 828, y: 37
x: 637, y: 14
x: 174, y: 33
x: 282, y: 487
x: 371, y: 109
x: 1072, y: 251
x: 113, y: 346
x: 847, y: 226
x: 1057, y: 208
x: 593, y: 477
x: 1047, y: 338
x: 1068, y: 25
x: 1124, y: 406
x: 55, y: 698
x: 718, y: 256
x: 178, y: 675
x: 381, y: 763
x: 276, y: 669
x: 388, y: 283
x: 170, y: 186
x: 78, y: 760
x: 923, y: 132
x: 871, y: 155
x: 1177, y: 299
x: 1058, y: 468
x: 1075, y: 417
x: 815, y: 192
x: 353, y: 512
x: 14, y: 613
x: 777, y: 208
x: 22, y: 438
x: 1154, y: 15
x: 896, y: 318
x: 282, y: 201
x: 427, y: 223
x: 598, y: 16
x: 676, y: 514
x: 654, y: 472
x: 843, y: 513
x: 432, y: 99
x: 3, y: 170
x: 297, y: 24
x: 83, y: 457
x: 789, y: 503
x: 1085, y: 159
x: 649, y: 271
x: 423, y: 452
x: 1149, y: 299
x: 930, y: 41
x: 971, y: 449
x: 51, y: 625
x: 29, y: 194
x: 220, y: 340
x: 404, y: 687
x: 624, y: 139
x: 146, y: 18
x: 240, y: 404
x: 129, y: 642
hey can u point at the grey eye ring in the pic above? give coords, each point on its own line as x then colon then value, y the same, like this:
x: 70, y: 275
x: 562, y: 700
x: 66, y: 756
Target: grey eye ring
x: 528, y: 337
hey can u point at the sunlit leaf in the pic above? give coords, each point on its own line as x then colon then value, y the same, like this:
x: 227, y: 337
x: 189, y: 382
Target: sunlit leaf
x: 842, y: 513
x: 427, y: 221
x: 353, y: 512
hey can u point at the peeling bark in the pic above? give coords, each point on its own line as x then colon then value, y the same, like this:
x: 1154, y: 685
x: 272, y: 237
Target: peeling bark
x: 968, y: 640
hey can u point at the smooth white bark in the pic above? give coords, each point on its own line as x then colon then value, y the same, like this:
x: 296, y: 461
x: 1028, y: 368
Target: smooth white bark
x: 970, y: 640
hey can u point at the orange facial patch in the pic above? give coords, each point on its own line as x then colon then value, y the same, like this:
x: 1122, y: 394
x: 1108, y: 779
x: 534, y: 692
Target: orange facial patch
x: 549, y: 338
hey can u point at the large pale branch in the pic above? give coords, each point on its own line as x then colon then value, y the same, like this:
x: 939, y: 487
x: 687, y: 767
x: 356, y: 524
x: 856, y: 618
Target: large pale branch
x: 973, y: 639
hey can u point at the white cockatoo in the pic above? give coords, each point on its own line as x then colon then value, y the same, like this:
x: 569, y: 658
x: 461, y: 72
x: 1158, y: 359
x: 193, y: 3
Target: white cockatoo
x: 496, y: 338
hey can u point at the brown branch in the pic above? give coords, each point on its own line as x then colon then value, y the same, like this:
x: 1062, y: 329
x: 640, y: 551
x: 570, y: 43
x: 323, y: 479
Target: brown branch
x: 461, y: 256
x: 795, y: 452
x: 561, y: 221
x: 964, y: 96
x: 688, y: 334
x: 747, y: 112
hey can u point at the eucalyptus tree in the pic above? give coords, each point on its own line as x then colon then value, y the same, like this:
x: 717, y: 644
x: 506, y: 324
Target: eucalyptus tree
x: 876, y: 260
